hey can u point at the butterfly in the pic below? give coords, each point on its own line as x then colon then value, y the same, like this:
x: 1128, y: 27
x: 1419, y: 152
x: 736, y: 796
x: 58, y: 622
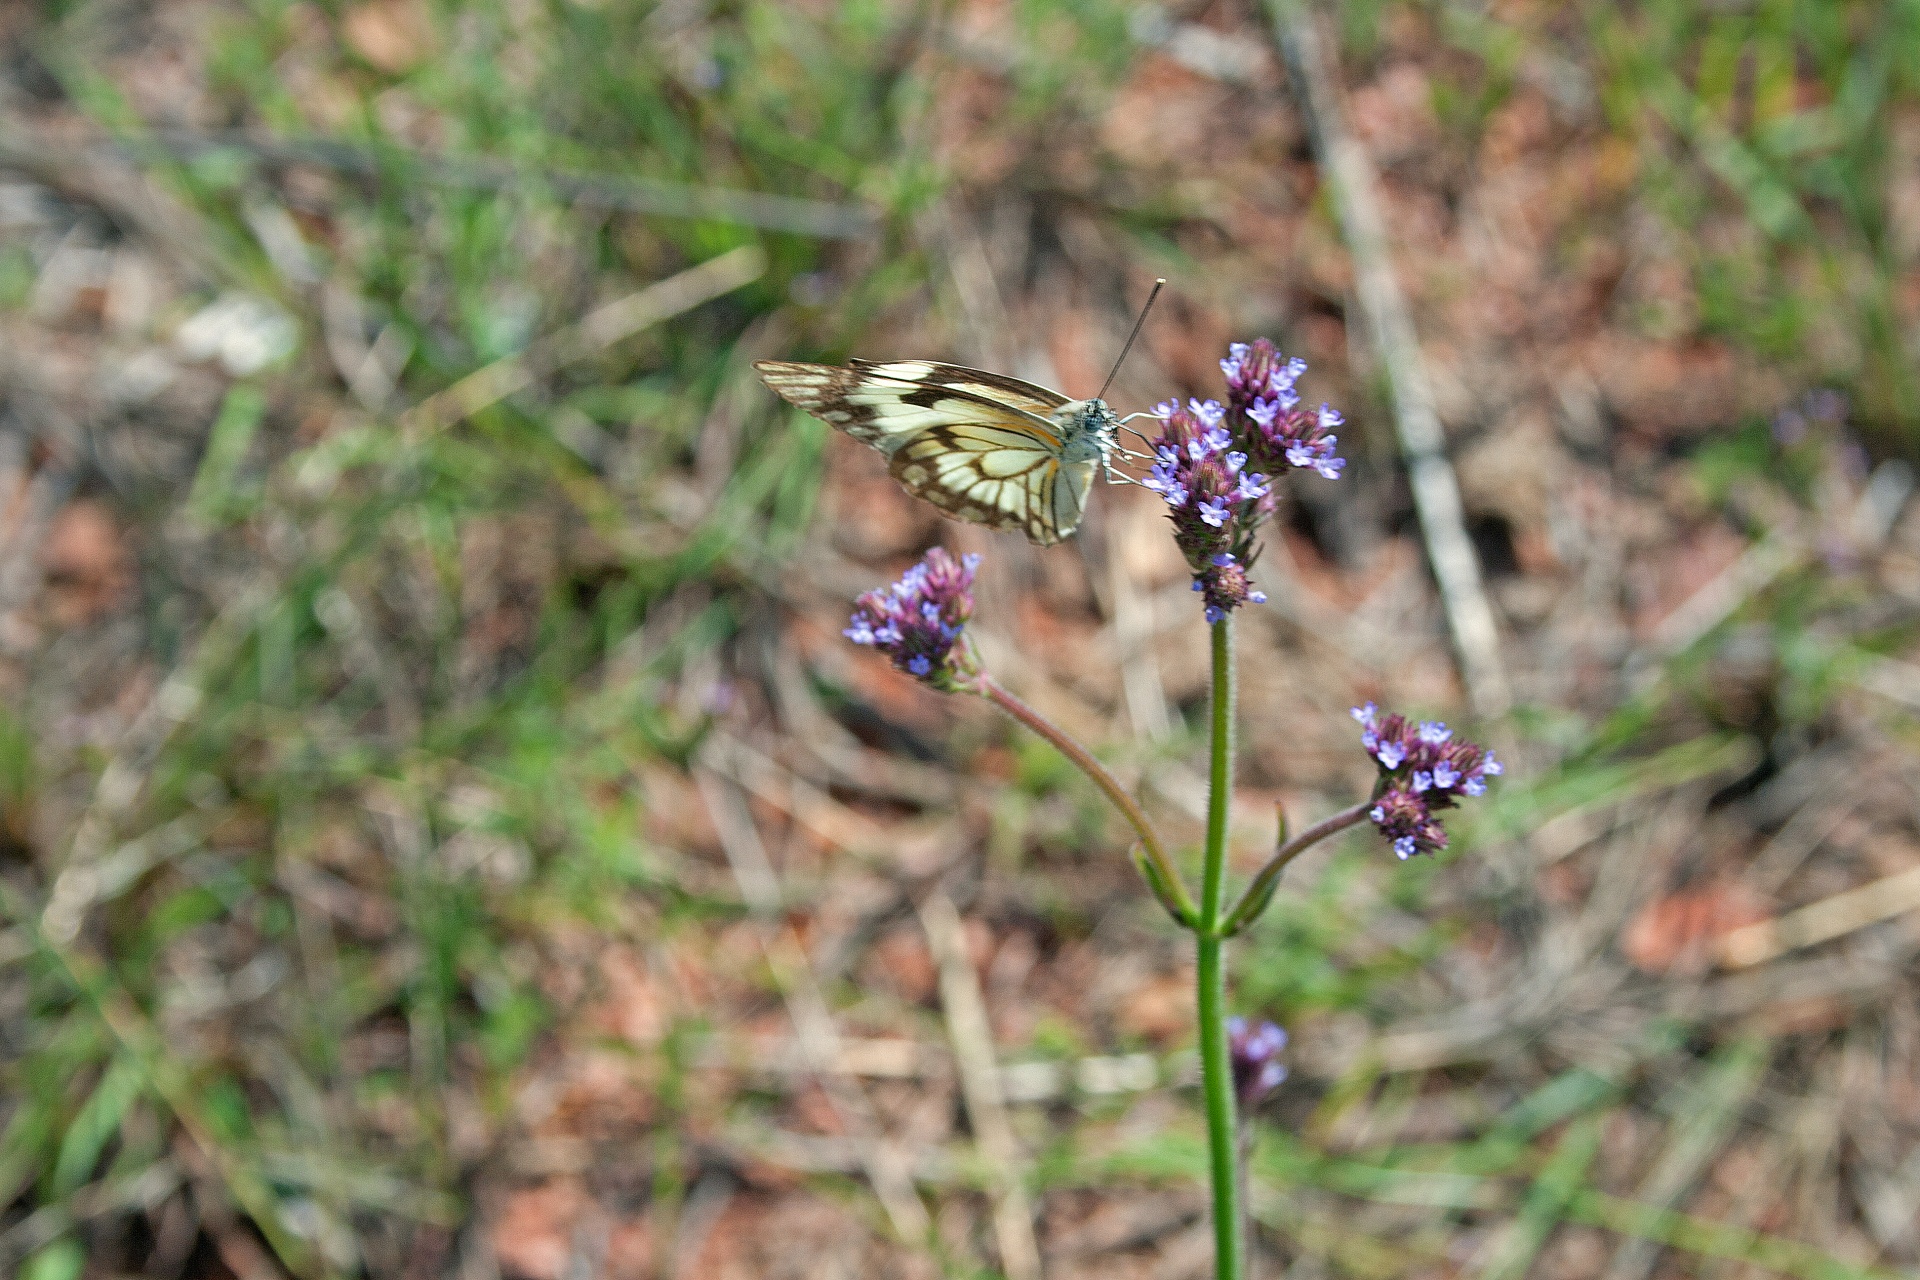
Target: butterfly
x: 980, y: 446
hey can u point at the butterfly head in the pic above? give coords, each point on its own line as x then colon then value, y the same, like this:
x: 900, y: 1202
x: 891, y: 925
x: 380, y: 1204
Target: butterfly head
x: 1088, y: 430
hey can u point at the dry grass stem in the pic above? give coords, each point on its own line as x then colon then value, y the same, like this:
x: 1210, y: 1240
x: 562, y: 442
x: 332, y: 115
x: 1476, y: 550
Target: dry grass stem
x: 1383, y: 306
x: 980, y: 1083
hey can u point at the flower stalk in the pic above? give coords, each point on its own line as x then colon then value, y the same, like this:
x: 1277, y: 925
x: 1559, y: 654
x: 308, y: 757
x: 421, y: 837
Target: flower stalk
x: 1260, y: 891
x: 1216, y: 1052
x: 1157, y: 865
x: 1212, y: 465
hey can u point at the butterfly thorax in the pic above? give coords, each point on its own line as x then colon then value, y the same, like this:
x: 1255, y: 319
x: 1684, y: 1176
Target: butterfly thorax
x: 1088, y: 430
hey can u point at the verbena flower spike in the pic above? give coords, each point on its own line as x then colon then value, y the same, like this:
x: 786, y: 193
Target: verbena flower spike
x: 920, y: 621
x: 1214, y: 498
x: 1260, y: 392
x: 1424, y: 770
x: 1212, y: 464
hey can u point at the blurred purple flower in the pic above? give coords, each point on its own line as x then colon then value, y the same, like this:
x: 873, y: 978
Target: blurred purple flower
x: 920, y: 621
x: 718, y: 698
x: 1255, y: 1053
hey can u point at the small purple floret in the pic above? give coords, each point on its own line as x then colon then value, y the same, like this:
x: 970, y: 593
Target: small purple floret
x: 1260, y: 391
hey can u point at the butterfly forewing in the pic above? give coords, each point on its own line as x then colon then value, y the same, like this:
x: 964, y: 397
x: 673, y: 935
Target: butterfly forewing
x: 885, y: 404
x: 980, y: 446
x: 995, y: 387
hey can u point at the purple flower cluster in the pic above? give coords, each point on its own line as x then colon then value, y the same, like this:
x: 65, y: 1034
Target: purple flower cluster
x: 1277, y: 432
x: 1212, y: 463
x: 1215, y: 500
x: 920, y: 621
x: 1424, y: 770
x: 1255, y: 1054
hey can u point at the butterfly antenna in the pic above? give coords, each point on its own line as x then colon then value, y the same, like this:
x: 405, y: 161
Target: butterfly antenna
x: 1158, y: 285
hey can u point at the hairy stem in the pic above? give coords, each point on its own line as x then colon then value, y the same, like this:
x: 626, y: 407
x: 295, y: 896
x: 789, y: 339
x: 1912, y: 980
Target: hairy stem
x: 1156, y: 852
x: 1216, y: 1065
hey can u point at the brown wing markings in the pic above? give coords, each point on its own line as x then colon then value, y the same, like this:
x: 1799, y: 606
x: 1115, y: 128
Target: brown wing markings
x: 965, y: 508
x: 1025, y: 395
x: 1030, y: 404
x: 806, y: 385
x: 1022, y: 437
x: 931, y: 395
x: 952, y: 479
x: 923, y: 465
x: 948, y: 442
x: 1038, y: 528
x: 966, y: 477
x: 824, y: 391
x: 994, y: 494
x: 820, y: 389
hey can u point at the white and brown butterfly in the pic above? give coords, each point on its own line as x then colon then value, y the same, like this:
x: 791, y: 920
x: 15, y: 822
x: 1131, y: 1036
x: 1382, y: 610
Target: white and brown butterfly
x: 980, y: 446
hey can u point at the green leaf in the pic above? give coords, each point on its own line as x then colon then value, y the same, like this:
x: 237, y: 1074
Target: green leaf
x: 1169, y: 897
x: 61, y: 1260
x: 213, y: 498
x: 96, y: 1124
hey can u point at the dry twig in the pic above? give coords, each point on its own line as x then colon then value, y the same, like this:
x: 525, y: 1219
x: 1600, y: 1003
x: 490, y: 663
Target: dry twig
x: 600, y: 329
x: 1822, y: 921
x: 1436, y: 490
x: 972, y: 1038
x: 884, y: 1165
x: 112, y: 185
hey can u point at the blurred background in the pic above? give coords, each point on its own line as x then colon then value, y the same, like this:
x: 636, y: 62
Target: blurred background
x: 444, y: 834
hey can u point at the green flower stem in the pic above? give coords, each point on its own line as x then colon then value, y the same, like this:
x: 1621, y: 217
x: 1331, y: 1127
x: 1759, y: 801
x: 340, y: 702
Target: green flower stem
x: 1156, y: 852
x: 1255, y: 899
x: 1216, y: 1064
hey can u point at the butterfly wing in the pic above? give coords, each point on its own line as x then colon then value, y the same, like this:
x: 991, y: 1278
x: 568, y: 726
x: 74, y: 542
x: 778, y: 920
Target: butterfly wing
x: 996, y: 476
x: 977, y: 445
x: 886, y: 404
x: 977, y: 383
